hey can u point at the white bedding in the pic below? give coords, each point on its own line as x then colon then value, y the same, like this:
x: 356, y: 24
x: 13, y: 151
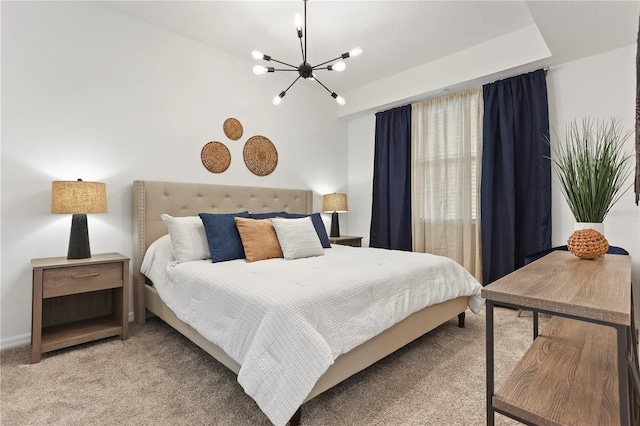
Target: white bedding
x: 286, y: 321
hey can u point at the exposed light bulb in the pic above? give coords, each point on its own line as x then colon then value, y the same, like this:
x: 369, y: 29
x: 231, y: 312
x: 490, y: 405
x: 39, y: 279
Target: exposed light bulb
x: 339, y: 99
x: 276, y: 101
x: 339, y: 66
x: 257, y: 54
x: 297, y: 20
x: 259, y: 69
x: 355, y: 52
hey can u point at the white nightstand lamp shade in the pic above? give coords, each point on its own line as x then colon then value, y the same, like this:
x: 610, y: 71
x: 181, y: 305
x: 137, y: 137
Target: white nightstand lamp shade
x: 335, y: 203
x: 78, y: 198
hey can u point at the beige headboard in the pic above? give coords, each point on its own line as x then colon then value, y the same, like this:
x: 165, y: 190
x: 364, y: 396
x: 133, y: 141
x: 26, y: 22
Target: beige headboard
x: 153, y: 198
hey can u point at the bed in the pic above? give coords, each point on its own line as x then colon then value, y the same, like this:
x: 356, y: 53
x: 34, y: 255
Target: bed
x: 151, y: 199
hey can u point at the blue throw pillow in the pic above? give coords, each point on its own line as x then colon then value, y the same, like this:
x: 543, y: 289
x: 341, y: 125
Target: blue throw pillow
x: 318, y: 224
x: 269, y: 215
x: 223, y: 236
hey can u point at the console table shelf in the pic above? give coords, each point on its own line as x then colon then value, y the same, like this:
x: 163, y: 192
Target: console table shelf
x: 565, y: 353
x: 582, y: 368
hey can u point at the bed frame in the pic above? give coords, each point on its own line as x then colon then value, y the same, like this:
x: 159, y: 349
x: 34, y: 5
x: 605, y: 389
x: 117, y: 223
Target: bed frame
x: 152, y: 198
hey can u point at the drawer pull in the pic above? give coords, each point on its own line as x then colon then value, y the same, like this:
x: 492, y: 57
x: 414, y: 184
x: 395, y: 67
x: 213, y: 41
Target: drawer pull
x: 89, y: 274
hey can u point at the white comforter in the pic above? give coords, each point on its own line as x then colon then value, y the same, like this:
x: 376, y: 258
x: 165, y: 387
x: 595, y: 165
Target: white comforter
x: 286, y: 321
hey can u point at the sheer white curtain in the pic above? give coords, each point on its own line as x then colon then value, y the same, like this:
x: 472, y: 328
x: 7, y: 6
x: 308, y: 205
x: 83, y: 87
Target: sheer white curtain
x: 446, y: 150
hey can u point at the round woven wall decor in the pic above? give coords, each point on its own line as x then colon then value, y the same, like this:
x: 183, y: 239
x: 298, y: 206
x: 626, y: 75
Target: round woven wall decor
x: 587, y: 244
x: 232, y: 128
x: 260, y: 155
x: 215, y: 157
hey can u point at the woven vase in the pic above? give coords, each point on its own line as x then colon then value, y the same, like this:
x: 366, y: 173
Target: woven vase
x: 587, y: 244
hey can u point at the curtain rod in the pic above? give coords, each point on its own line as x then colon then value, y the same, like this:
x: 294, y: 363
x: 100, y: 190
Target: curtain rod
x: 447, y: 92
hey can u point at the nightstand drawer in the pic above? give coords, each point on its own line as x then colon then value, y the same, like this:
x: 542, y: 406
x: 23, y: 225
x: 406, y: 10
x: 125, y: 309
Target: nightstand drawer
x: 79, y: 279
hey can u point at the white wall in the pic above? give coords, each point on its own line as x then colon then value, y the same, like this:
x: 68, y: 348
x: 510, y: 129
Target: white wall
x: 90, y: 93
x: 597, y: 86
x: 361, y: 133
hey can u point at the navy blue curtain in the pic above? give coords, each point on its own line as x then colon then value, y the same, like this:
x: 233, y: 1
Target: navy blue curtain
x: 515, y: 189
x: 391, y: 207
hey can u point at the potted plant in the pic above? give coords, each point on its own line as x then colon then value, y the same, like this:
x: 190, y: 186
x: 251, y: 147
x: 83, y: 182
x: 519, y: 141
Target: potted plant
x: 592, y: 169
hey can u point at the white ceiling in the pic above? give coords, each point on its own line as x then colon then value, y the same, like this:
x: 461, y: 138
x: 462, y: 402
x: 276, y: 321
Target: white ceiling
x: 394, y: 35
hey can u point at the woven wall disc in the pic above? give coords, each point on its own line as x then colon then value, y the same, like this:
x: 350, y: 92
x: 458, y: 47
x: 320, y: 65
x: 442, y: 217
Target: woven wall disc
x: 232, y: 128
x: 260, y: 155
x: 215, y: 157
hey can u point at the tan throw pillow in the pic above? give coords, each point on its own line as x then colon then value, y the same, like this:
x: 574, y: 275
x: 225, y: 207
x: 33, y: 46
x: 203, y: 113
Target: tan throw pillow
x: 259, y: 239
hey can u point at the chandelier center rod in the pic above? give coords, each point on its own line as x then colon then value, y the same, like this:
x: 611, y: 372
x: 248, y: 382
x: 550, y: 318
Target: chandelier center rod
x: 304, y: 56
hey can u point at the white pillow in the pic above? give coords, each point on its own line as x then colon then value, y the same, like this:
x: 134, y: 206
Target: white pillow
x: 157, y: 256
x: 297, y: 237
x: 188, y: 239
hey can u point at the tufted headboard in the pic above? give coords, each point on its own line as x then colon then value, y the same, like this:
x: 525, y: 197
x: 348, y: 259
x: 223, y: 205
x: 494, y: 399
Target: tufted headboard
x: 153, y: 198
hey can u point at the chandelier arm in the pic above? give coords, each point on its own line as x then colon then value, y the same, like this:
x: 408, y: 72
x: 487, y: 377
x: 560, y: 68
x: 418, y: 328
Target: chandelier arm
x: 326, y: 62
x: 294, y: 82
x: 284, y: 63
x: 320, y: 83
x: 284, y: 69
x: 304, y: 59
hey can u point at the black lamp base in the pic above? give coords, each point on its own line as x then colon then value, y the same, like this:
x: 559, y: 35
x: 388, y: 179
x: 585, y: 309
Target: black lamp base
x: 335, y: 225
x: 79, y: 239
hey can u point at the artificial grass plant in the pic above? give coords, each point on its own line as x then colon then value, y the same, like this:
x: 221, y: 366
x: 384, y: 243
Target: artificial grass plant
x: 592, y: 167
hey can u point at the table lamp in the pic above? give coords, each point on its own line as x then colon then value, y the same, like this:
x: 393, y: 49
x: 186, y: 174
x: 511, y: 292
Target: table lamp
x: 78, y: 198
x: 334, y: 204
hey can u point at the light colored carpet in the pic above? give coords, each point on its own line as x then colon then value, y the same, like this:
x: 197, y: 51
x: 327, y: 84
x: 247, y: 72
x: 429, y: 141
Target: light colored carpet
x: 157, y: 377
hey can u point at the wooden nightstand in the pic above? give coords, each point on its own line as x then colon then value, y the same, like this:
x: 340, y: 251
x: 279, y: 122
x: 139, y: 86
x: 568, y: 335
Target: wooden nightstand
x: 346, y: 240
x: 78, y: 300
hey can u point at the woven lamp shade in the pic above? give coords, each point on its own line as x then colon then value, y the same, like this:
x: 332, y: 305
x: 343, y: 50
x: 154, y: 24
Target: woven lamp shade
x: 78, y: 198
x: 587, y: 244
x: 74, y: 197
x: 335, y: 203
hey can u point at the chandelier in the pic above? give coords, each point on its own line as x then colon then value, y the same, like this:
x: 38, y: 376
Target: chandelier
x: 305, y: 69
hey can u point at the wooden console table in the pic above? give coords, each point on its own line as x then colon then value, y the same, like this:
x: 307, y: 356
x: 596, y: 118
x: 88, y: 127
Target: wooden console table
x: 582, y: 368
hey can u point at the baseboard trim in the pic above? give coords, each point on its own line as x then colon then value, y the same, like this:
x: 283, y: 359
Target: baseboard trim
x: 15, y: 341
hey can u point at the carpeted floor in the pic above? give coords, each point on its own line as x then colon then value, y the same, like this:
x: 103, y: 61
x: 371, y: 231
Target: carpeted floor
x: 157, y: 377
